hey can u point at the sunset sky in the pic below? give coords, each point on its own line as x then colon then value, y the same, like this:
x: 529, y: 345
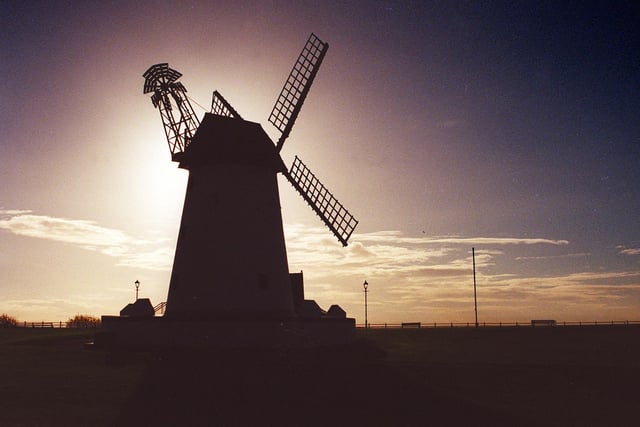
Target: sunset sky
x: 512, y: 127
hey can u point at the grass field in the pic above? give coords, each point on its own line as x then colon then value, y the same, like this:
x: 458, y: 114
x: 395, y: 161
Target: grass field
x: 463, y: 376
x: 47, y: 379
x: 544, y: 376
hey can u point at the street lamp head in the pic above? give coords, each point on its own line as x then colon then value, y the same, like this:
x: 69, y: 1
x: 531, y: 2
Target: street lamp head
x: 137, y: 283
x: 365, y: 285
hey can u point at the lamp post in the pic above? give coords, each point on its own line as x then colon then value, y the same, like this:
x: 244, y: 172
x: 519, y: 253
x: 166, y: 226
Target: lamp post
x: 365, y: 285
x: 137, y: 283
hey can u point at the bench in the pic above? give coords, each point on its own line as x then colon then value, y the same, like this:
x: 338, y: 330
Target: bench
x: 410, y: 325
x: 543, y: 322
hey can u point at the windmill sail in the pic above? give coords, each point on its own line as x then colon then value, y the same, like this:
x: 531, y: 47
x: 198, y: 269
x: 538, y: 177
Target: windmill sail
x: 220, y: 106
x: 329, y: 209
x: 296, y: 88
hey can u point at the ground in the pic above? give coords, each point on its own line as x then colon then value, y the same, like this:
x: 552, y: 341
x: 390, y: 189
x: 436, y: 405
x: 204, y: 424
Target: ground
x: 450, y: 376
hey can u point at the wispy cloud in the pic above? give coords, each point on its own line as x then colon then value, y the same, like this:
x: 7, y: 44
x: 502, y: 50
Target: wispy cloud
x: 396, y: 237
x: 392, y: 253
x: 576, y: 255
x: 159, y: 258
x: 628, y: 251
x: 14, y: 211
x: 88, y: 235
x: 79, y: 232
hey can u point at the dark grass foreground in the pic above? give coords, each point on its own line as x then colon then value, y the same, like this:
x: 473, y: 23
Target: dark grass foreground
x: 48, y: 379
x: 347, y: 386
x: 488, y: 376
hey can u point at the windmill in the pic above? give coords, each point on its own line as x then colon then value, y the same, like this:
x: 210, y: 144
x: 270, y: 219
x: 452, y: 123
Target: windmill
x: 230, y: 260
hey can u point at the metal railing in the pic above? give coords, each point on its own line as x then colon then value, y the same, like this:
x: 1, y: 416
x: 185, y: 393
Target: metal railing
x: 527, y: 324
x: 414, y: 325
x: 160, y: 308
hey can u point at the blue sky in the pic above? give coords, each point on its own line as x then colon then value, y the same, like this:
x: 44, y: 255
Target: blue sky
x: 511, y: 127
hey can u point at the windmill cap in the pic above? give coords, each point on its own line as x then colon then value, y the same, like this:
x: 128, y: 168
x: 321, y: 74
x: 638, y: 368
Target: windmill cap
x: 228, y: 140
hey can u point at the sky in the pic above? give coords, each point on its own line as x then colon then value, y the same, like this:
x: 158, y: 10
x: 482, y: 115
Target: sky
x: 509, y: 127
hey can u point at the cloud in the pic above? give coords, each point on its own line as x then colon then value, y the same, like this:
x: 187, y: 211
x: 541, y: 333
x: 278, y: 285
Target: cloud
x: 396, y: 237
x: 14, y: 211
x: 390, y: 253
x: 629, y: 251
x: 130, y: 251
x: 79, y: 232
x: 155, y: 259
x: 566, y: 295
x: 576, y: 255
x: 385, y: 255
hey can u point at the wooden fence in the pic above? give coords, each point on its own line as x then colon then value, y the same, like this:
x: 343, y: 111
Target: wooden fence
x: 158, y: 309
x: 59, y: 324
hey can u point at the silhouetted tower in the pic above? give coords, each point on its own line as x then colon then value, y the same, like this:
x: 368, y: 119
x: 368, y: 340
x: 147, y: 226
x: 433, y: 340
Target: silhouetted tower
x: 231, y: 259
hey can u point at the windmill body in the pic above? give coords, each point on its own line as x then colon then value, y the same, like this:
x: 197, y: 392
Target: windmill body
x: 230, y: 260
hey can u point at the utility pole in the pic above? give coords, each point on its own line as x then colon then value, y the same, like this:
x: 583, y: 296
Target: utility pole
x: 475, y: 299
